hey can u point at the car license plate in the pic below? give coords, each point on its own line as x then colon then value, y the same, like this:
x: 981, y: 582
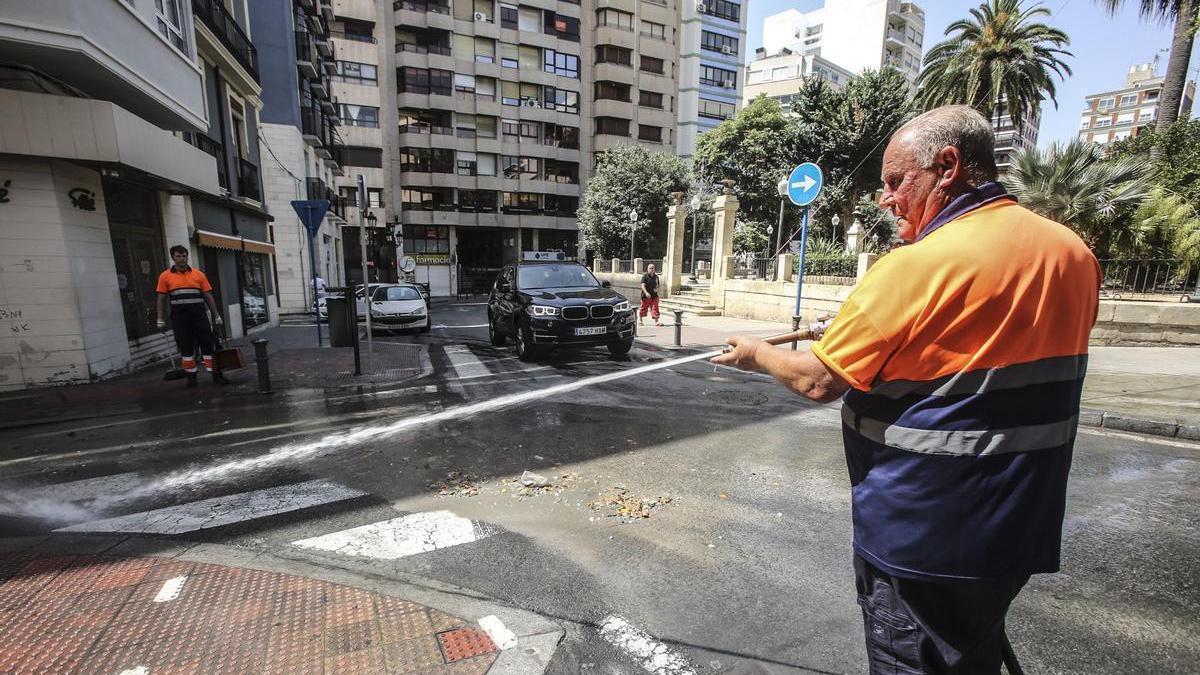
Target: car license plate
x: 594, y: 330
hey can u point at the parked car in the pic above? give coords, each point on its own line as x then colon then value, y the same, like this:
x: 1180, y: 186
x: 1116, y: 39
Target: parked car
x: 540, y: 305
x: 397, y: 306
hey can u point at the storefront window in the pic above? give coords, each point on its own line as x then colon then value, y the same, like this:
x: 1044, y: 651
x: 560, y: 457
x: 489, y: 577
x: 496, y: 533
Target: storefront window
x: 254, y: 290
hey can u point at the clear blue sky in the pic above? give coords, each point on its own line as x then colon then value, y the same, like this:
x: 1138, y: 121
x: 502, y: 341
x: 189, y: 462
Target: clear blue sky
x: 1104, y: 47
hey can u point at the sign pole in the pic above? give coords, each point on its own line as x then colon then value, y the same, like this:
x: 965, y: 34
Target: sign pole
x: 800, y: 274
x: 312, y: 263
x: 362, y: 242
x: 311, y: 212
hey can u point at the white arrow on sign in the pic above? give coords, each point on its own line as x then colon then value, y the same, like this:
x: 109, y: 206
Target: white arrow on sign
x: 805, y: 184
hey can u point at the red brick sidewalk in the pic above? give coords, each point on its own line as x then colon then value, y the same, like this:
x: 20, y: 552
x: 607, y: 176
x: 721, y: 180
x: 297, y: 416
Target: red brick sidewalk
x: 114, y: 615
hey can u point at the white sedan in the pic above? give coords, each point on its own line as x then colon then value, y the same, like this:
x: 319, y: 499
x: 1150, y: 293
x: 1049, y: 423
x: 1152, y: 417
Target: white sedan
x: 398, y: 306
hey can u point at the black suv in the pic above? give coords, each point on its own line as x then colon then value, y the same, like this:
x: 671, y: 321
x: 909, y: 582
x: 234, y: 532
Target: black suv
x: 543, y: 304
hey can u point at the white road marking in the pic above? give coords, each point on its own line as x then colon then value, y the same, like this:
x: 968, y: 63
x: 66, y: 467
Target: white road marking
x: 140, y: 670
x: 401, y: 537
x: 219, y: 511
x: 654, y: 657
x: 502, y: 636
x: 474, y: 325
x: 86, y: 489
x: 170, y: 589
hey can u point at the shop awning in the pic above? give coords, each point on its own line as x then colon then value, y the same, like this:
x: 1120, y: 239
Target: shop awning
x: 230, y: 243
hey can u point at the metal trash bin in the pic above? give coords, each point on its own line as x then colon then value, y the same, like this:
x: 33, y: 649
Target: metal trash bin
x: 340, y: 332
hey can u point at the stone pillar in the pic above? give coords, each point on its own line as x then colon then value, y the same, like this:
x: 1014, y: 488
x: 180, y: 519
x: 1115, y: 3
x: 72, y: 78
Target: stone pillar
x: 854, y: 237
x: 865, y: 260
x: 676, y: 225
x: 784, y: 272
x: 639, y: 266
x: 597, y: 265
x: 616, y: 265
x: 725, y: 208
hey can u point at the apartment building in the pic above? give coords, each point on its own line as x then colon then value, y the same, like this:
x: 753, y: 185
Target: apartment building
x: 854, y: 34
x: 1011, y: 139
x: 232, y: 231
x: 97, y: 180
x: 712, y: 45
x: 299, y: 141
x: 781, y: 76
x: 1116, y: 115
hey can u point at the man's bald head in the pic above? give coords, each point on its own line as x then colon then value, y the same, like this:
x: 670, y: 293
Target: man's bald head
x: 957, y: 126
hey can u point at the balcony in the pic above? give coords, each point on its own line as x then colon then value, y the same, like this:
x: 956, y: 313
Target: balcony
x: 424, y: 6
x: 217, y: 150
x: 248, y: 185
x: 214, y: 15
x: 305, y: 58
x: 896, y: 38
x: 314, y: 127
x: 316, y: 188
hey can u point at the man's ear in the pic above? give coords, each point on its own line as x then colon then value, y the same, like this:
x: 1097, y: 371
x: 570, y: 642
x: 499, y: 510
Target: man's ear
x: 949, y: 165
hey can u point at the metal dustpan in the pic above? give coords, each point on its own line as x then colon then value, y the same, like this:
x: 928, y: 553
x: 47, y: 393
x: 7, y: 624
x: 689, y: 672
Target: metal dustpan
x: 175, y: 373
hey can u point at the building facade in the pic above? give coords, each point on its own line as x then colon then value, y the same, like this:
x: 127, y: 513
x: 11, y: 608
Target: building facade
x: 1010, y: 138
x: 854, y: 34
x: 712, y: 44
x: 298, y: 136
x: 781, y: 76
x: 98, y: 178
x: 1116, y: 115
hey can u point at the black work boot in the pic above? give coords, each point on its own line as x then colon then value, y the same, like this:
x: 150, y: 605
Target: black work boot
x: 191, y: 380
x: 218, y: 378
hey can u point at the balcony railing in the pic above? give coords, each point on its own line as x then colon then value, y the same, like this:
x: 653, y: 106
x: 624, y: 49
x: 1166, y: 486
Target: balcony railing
x: 316, y: 188
x: 356, y: 37
x: 421, y: 6
x: 444, y: 50
x: 214, y: 15
x: 304, y: 47
x: 217, y: 150
x: 248, y: 185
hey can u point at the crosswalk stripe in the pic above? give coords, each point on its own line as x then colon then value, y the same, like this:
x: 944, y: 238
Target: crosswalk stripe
x: 86, y: 489
x: 402, y: 537
x: 654, y: 656
x: 219, y: 511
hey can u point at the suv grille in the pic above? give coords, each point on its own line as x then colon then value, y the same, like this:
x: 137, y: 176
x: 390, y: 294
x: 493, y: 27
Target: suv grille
x: 602, y: 311
x: 574, y: 313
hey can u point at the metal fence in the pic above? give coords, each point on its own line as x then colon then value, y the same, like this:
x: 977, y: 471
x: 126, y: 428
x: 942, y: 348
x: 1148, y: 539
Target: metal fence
x: 764, y: 268
x: 1146, y: 278
x: 830, y: 266
x: 625, y: 267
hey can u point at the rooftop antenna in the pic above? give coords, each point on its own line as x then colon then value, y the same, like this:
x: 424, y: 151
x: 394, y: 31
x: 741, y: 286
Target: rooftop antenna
x: 1156, y: 60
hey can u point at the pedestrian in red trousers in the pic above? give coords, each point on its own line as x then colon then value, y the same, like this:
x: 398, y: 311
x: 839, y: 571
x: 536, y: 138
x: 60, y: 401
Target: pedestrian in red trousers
x: 649, y: 296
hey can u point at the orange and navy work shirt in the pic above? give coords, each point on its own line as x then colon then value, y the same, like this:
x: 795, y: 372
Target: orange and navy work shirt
x: 966, y: 353
x: 184, y: 288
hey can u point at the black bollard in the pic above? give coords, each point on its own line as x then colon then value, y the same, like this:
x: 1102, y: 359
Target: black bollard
x: 264, y: 369
x: 678, y: 326
x: 795, y: 327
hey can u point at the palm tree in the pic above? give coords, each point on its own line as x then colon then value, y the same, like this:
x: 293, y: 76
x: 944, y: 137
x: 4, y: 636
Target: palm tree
x: 998, y: 55
x: 1184, y: 15
x: 1074, y: 185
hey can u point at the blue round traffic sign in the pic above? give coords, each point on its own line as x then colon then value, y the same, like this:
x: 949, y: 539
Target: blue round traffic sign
x: 804, y: 184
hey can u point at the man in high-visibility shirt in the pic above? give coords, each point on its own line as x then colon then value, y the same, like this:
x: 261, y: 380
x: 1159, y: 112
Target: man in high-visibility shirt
x: 962, y: 359
x: 187, y: 291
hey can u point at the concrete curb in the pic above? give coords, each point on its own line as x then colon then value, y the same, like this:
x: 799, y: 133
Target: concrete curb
x: 537, y: 636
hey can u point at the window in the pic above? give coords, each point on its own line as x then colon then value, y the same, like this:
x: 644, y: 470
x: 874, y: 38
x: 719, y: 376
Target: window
x: 1151, y: 96
x: 1085, y: 123
x: 467, y: 163
x: 426, y: 160
x: 520, y: 202
x: 718, y: 77
x: 511, y: 130
x: 509, y: 56
x: 612, y: 126
x: 561, y: 136
x: 718, y: 110
x: 358, y: 31
x: 529, y: 132
x: 612, y: 54
x: 169, y: 16
x: 649, y: 64
x: 649, y: 133
x: 357, y: 73
x: 1128, y: 99
x: 724, y: 9
x: 562, y: 27
x: 423, y: 81
x: 464, y: 83
x: 654, y: 30
x: 562, y: 172
x: 1125, y: 118
x: 509, y: 17
x: 1146, y: 114
x: 426, y: 239
x: 715, y: 42
x: 528, y: 19
x: 650, y: 99
x: 562, y: 206
x: 520, y: 168
x: 359, y: 116
x: 371, y: 158
x: 614, y: 18
x: 375, y: 198
x: 1103, y: 122
x: 483, y: 201
x: 510, y: 93
x: 562, y: 100
x: 559, y: 63
x: 485, y: 50
x: 1106, y: 102
x: 613, y: 91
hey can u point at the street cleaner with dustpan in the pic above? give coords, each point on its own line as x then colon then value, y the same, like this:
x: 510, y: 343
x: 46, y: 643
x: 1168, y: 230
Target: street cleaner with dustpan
x: 962, y: 358
x: 187, y: 291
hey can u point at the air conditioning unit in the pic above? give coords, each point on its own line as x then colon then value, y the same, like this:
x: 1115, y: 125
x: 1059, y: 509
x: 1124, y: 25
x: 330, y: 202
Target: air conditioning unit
x: 480, y: 16
x: 529, y: 103
x: 726, y: 49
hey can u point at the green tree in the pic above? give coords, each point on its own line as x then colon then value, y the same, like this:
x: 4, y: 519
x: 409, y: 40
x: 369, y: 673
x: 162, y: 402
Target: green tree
x: 1183, y: 14
x: 1074, y: 185
x: 1164, y: 226
x: 999, y: 54
x: 1177, y: 164
x: 630, y: 178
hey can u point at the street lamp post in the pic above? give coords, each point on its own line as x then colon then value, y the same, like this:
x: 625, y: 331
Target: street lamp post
x: 695, y: 204
x: 835, y: 221
x: 781, y: 188
x: 633, y: 215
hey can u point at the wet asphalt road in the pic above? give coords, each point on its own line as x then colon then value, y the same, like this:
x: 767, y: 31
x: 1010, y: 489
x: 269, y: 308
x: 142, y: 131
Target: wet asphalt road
x: 745, y: 569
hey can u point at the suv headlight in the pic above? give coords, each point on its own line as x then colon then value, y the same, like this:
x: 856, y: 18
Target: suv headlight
x: 541, y: 310
x: 622, y: 306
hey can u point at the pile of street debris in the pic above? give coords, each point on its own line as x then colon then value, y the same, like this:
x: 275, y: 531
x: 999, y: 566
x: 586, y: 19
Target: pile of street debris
x: 625, y: 506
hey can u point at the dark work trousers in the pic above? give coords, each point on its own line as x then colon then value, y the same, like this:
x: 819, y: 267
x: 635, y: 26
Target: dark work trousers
x: 192, y: 332
x: 932, y: 628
